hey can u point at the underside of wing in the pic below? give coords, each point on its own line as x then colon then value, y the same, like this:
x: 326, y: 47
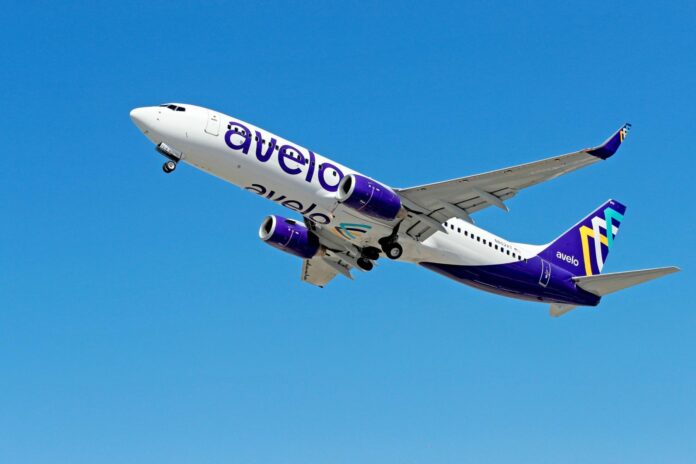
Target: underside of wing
x: 317, y: 272
x: 320, y: 269
x: 435, y: 203
x: 337, y: 256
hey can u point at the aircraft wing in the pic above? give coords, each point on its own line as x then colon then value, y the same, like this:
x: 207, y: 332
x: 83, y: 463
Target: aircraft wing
x: 317, y: 272
x: 339, y: 257
x: 433, y: 204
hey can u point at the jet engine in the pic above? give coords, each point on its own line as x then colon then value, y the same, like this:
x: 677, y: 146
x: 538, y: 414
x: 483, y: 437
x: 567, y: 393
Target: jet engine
x: 289, y: 236
x: 368, y: 197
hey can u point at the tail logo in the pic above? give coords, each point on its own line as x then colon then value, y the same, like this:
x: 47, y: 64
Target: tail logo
x: 624, y: 132
x: 602, y: 233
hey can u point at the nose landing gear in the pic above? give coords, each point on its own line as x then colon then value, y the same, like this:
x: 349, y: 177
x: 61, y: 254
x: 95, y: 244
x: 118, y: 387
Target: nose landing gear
x: 169, y: 166
x: 173, y: 156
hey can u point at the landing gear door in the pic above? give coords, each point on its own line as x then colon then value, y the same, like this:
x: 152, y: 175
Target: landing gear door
x: 212, y: 127
x: 545, y: 273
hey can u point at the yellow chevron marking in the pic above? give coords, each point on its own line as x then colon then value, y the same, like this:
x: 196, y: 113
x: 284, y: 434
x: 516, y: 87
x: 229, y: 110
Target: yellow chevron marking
x: 585, y: 234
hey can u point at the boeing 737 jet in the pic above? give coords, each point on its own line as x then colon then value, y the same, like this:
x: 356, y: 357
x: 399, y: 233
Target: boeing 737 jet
x: 347, y: 220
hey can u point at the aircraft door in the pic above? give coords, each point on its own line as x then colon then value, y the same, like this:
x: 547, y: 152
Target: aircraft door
x: 212, y: 127
x: 545, y: 273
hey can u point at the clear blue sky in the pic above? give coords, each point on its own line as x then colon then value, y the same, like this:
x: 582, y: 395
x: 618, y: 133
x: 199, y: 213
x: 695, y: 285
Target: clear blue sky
x: 142, y: 320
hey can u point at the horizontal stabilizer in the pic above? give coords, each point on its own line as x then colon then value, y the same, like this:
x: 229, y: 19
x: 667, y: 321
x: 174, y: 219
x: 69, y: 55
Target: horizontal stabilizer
x: 604, y: 284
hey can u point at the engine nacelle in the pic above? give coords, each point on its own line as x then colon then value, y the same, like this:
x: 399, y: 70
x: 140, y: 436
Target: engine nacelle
x: 368, y: 197
x: 289, y: 236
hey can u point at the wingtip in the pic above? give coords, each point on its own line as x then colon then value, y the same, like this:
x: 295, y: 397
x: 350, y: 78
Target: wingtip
x: 666, y: 270
x: 608, y: 148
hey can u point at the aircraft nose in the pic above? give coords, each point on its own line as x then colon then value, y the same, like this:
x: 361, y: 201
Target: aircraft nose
x: 144, y: 118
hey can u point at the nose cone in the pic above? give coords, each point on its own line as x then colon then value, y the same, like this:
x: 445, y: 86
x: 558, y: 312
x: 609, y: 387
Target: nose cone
x: 144, y: 118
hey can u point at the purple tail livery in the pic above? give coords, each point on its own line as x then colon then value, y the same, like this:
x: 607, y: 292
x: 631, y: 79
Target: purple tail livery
x: 583, y: 249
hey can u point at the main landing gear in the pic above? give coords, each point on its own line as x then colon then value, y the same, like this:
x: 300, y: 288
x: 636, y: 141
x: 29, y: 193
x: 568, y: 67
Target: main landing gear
x: 365, y: 264
x: 392, y: 249
x: 169, y: 166
x: 370, y: 253
x: 390, y: 245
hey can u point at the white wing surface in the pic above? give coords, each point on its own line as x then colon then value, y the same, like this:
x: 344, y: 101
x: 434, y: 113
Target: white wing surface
x: 461, y: 197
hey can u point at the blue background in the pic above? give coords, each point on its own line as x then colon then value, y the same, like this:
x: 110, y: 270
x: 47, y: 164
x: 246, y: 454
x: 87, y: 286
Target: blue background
x: 142, y: 320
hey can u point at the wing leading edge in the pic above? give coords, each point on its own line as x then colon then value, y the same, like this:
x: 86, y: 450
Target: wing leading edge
x: 461, y: 197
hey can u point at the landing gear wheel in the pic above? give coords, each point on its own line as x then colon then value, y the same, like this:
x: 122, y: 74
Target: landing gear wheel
x: 169, y: 166
x: 365, y: 264
x: 393, y: 250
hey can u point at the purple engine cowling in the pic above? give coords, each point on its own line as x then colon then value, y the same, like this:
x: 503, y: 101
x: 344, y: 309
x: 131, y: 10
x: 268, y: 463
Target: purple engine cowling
x: 289, y: 236
x: 368, y: 197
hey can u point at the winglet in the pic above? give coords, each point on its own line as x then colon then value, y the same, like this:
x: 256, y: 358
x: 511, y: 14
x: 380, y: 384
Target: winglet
x: 612, y: 144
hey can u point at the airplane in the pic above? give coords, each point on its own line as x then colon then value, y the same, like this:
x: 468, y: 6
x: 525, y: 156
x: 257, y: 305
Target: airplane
x: 350, y: 220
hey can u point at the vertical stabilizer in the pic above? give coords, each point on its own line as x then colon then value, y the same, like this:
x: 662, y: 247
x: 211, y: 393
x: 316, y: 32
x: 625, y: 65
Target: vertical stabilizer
x: 584, y: 248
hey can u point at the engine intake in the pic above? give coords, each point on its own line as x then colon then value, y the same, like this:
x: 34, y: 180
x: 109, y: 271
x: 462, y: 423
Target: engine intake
x: 368, y: 197
x: 289, y: 236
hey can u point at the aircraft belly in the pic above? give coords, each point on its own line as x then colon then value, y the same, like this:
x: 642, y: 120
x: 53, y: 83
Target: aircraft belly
x: 517, y: 280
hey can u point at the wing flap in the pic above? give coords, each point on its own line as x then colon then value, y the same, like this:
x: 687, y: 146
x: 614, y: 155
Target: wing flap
x: 320, y: 270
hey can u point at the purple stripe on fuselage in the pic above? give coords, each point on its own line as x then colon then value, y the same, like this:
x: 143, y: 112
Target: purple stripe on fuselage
x: 520, y: 279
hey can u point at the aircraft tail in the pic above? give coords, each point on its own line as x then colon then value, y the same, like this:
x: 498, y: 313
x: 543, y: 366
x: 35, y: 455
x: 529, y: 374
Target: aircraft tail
x: 583, y: 249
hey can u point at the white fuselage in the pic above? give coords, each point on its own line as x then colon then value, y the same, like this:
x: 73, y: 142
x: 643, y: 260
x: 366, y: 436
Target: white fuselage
x: 301, y: 180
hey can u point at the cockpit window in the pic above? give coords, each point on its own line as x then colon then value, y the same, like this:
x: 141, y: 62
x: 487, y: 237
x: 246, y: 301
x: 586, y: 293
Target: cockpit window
x: 173, y: 107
